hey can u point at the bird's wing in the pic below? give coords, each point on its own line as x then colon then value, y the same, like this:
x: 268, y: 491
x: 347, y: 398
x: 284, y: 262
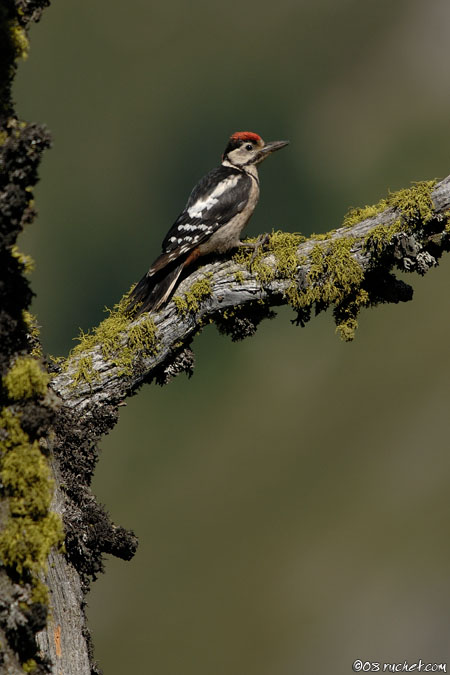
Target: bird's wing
x: 215, y: 200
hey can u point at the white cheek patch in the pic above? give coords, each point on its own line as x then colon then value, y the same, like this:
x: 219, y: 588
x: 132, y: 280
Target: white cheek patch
x: 196, y: 210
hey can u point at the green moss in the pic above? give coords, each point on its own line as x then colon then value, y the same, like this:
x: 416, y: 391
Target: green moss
x: 142, y: 337
x: 333, y: 272
x: 334, y: 276
x: 283, y: 246
x: 360, y: 213
x: 255, y: 264
x: 323, y: 236
x: 29, y: 666
x: 22, y: 470
x: 192, y: 299
x: 26, y: 379
x: 109, y: 335
x: 415, y: 204
x: 25, y: 260
x: 84, y: 371
x: 26, y: 543
x: 19, y: 40
x: 416, y: 207
x: 239, y: 277
x: 31, y: 323
x: 30, y: 530
x: 380, y: 237
x: 33, y: 333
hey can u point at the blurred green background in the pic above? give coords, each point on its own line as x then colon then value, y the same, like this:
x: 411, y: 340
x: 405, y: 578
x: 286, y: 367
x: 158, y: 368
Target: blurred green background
x: 291, y: 499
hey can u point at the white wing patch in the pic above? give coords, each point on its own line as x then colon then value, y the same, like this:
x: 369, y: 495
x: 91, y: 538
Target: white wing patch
x: 187, y: 227
x: 201, y: 205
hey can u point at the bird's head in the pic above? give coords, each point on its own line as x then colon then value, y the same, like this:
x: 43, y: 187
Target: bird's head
x: 245, y: 148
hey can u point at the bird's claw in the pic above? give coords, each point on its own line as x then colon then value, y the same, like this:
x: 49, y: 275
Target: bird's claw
x: 262, y: 240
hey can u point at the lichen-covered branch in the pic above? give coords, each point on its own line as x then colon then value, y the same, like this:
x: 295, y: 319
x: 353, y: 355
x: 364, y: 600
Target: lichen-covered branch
x: 346, y: 269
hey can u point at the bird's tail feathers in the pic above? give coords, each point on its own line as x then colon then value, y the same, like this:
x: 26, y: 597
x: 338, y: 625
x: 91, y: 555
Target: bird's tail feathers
x: 151, y: 292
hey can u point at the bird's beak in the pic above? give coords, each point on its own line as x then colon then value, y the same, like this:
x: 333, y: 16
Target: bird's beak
x: 270, y: 147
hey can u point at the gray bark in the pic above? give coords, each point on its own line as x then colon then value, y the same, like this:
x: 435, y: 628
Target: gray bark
x: 227, y: 292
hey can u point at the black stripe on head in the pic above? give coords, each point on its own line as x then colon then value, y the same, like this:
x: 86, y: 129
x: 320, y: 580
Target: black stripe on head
x: 233, y: 143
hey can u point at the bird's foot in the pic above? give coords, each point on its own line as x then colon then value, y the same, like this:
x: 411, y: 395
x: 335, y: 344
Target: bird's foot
x: 262, y: 240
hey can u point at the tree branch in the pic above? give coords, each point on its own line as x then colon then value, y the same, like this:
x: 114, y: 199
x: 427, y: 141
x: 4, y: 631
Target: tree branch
x: 348, y: 268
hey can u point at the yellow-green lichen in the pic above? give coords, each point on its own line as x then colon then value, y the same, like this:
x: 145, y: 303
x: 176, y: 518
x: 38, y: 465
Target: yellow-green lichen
x: 380, y: 236
x: 25, y: 260
x: 84, y: 370
x: 333, y: 272
x: 19, y: 39
x: 239, y: 277
x: 115, y: 345
x: 29, y: 666
x: 32, y: 327
x: 142, y: 338
x: 416, y: 208
x: 255, y: 263
x: 358, y: 214
x: 192, y: 299
x: 30, y: 530
x: 25, y: 379
x: 415, y: 204
x: 283, y: 246
x: 322, y: 236
x: 334, y: 276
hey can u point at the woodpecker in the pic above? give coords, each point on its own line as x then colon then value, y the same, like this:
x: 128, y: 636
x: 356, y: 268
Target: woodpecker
x: 219, y: 207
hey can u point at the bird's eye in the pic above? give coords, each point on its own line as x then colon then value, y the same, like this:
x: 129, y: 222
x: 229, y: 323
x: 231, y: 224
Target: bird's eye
x: 249, y: 146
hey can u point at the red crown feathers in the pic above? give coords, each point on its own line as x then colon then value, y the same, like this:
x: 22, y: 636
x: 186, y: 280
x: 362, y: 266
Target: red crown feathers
x: 245, y: 136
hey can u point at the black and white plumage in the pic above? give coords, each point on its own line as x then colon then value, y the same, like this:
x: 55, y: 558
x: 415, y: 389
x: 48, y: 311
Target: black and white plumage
x: 217, y: 210
x: 216, y: 199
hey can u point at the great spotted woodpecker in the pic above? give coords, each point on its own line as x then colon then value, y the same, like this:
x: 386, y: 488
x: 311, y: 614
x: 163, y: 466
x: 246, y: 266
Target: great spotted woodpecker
x: 217, y: 210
